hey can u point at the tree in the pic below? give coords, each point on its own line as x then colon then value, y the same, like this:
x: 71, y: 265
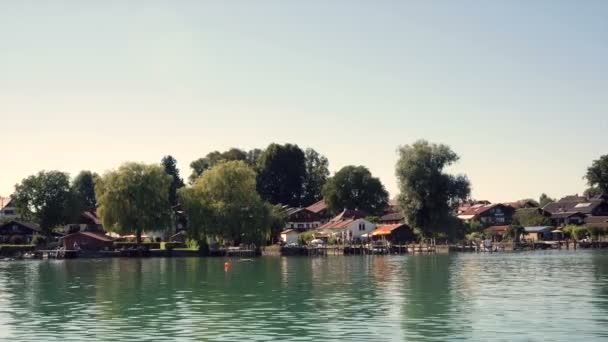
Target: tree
x: 83, y: 189
x: 593, y: 192
x: 317, y: 172
x: 281, y: 174
x: 223, y: 202
x: 354, y: 187
x: 170, y: 165
x: 213, y: 158
x: 530, y: 217
x: 253, y: 157
x: 134, y: 198
x: 428, y: 194
x: 544, y: 200
x: 43, y: 198
x: 597, y: 174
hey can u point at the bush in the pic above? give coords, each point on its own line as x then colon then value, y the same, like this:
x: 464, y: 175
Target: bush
x: 38, y: 240
x: 14, y: 249
x: 576, y: 232
x: 128, y: 245
x: 192, y: 244
x: 305, y: 238
x: 173, y: 245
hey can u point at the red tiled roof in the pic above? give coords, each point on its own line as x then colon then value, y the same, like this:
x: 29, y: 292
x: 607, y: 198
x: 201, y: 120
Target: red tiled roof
x: 317, y: 207
x: 478, y: 209
x: 386, y: 229
x: 94, y: 235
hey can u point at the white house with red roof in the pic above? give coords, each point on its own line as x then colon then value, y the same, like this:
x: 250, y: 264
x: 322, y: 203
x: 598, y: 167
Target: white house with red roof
x: 348, y: 226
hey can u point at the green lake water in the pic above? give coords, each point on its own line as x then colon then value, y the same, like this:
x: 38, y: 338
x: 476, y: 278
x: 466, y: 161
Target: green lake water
x: 536, y: 296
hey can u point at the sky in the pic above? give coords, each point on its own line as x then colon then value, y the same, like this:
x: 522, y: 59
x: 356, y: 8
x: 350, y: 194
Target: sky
x: 517, y: 88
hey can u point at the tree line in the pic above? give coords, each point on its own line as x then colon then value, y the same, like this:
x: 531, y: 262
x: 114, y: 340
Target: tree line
x: 237, y: 195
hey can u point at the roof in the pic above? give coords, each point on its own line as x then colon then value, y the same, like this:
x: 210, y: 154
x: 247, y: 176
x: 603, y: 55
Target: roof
x: 287, y: 231
x: 396, y: 216
x: 317, y: 207
x: 386, y: 229
x: 538, y: 229
x: 337, y: 224
x: 477, y: 209
x: 6, y: 202
x: 596, y: 219
x: 29, y: 225
x: 574, y: 204
x: 567, y: 214
x: 349, y: 214
x: 94, y: 235
x: 496, y: 229
x: 525, y: 203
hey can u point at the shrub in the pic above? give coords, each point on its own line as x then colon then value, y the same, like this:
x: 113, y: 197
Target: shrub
x: 306, y: 237
x: 38, y: 240
x: 192, y: 244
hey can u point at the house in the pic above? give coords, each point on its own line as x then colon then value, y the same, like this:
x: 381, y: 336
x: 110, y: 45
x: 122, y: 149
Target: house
x: 522, y: 204
x: 87, y: 221
x: 568, y: 217
x: 496, y: 233
x: 321, y: 210
x: 289, y: 236
x: 488, y: 214
x: 540, y: 233
x: 597, y: 221
x: 18, y: 233
x: 87, y: 241
x: 468, y: 204
x: 597, y: 206
x: 8, y: 210
x: 395, y: 233
x: 393, y: 214
x: 301, y: 219
x: 348, y: 226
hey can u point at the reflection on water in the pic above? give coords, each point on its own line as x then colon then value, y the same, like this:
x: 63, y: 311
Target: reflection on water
x: 523, y: 297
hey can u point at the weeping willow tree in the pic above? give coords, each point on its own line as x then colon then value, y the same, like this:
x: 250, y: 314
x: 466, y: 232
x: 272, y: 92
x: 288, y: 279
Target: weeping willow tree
x: 224, y: 203
x: 134, y: 198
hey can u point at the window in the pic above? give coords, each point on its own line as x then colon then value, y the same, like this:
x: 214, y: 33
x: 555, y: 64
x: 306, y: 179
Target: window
x: 307, y: 225
x: 291, y: 225
x: 9, y: 212
x: 300, y: 225
x: 361, y: 226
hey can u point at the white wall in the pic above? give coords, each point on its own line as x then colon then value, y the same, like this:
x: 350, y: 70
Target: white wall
x: 291, y: 237
x: 355, y: 231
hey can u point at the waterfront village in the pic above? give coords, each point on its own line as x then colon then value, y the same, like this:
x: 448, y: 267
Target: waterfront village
x: 236, y: 204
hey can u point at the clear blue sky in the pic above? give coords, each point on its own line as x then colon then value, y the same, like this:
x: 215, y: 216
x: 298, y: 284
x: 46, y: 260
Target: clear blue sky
x: 518, y: 88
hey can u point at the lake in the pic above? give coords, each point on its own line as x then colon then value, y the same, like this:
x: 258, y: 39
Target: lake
x: 528, y: 296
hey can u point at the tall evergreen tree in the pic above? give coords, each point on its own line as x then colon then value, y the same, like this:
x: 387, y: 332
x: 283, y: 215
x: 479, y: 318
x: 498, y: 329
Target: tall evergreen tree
x: 170, y: 165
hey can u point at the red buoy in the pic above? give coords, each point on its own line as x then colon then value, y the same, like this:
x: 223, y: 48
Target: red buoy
x: 227, y: 266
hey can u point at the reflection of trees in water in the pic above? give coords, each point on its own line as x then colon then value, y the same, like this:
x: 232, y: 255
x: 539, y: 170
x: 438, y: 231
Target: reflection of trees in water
x: 429, y: 309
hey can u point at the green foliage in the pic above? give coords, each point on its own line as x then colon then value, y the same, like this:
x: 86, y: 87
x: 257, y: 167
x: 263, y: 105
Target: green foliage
x: 281, y: 174
x: 317, y: 172
x: 597, y: 174
x: 306, y: 237
x: 170, y: 165
x: 427, y: 192
x: 576, y: 232
x: 353, y: 187
x: 192, y: 244
x: 596, y: 232
x: 530, y: 217
x: 373, y: 219
x: 44, y: 198
x: 38, y: 239
x: 277, y: 219
x: 474, y: 226
x: 223, y: 202
x: 134, y: 198
x: 474, y: 237
x: 214, y: 158
x: 83, y: 188
x: 544, y: 200
x: 513, y: 233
